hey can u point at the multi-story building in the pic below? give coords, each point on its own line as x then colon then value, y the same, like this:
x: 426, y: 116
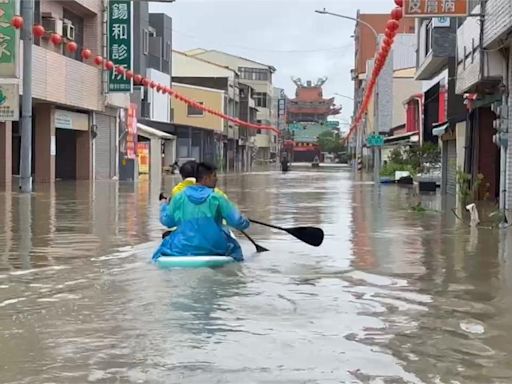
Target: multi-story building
x: 483, y: 77
x: 307, y: 115
x: 259, y: 77
x: 232, y: 141
x: 365, y: 37
x: 198, y: 132
x: 74, y: 120
x: 151, y: 109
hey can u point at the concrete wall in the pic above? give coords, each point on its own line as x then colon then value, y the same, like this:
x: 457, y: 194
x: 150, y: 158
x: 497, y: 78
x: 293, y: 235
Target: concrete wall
x: 160, y: 103
x: 212, y: 98
x: 404, y: 86
x: 498, y: 21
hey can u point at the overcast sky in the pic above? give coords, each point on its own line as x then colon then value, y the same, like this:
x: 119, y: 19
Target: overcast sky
x: 287, y: 34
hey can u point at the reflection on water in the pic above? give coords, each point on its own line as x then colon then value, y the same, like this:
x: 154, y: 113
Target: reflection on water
x: 393, y: 296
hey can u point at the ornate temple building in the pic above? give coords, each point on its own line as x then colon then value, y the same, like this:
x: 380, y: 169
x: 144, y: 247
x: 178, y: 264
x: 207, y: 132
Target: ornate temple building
x: 306, y: 118
x: 309, y: 104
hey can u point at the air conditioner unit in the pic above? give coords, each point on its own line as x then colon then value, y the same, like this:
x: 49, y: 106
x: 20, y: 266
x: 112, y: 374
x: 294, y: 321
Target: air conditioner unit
x: 69, y: 30
x: 52, y: 25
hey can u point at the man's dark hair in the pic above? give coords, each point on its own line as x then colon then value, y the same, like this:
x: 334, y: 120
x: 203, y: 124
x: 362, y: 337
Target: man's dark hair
x: 204, y: 170
x: 188, y: 169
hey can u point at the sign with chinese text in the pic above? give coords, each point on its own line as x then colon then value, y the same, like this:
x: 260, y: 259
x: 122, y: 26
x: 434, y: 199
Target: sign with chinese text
x: 143, y: 155
x: 9, y: 39
x: 374, y: 140
x: 9, y: 102
x: 131, y: 134
x: 435, y: 8
x: 120, y: 43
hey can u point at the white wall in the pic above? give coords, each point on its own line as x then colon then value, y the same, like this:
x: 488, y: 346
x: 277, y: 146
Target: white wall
x: 160, y: 103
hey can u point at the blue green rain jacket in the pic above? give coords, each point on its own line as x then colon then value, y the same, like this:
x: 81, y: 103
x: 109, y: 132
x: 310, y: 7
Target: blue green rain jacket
x: 197, y: 213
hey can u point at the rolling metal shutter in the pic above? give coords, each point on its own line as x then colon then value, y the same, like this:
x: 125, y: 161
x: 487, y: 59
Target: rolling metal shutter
x: 451, y: 167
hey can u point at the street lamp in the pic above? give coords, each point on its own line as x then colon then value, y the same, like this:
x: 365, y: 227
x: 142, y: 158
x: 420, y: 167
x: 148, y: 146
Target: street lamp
x: 359, y: 137
x: 325, y: 12
x: 347, y: 97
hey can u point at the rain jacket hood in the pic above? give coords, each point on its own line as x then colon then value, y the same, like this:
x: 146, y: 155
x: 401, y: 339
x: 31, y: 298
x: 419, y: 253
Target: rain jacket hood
x: 197, y: 194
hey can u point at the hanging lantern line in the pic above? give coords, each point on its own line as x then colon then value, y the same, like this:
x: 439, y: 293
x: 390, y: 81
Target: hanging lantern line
x: 107, y: 65
x: 392, y: 27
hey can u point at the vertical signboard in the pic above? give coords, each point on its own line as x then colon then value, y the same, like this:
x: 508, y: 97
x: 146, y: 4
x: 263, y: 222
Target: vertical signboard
x: 433, y: 8
x: 120, y: 43
x: 9, y: 40
x: 131, y: 135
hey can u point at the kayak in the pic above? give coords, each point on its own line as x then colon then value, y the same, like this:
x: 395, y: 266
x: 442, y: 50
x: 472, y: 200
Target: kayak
x: 192, y: 262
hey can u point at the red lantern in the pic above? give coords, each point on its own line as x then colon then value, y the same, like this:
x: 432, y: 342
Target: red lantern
x: 86, y: 54
x: 38, y: 30
x: 397, y: 14
x: 387, y: 42
x: 109, y: 65
x: 390, y: 34
x: 146, y: 82
x: 152, y: 85
x: 159, y: 88
x: 392, y: 25
x: 17, y: 22
x: 129, y: 74
x: 72, y: 47
x: 120, y: 70
x: 137, y: 78
x: 399, y: 3
x: 56, y: 39
x: 98, y: 60
x: 168, y: 90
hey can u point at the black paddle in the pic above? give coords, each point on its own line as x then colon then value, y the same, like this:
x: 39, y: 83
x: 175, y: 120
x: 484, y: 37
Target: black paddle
x: 310, y: 235
x: 259, y: 248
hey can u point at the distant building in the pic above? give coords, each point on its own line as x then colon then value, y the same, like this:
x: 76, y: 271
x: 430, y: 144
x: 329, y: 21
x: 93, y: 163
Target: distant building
x: 259, y: 77
x: 307, y: 115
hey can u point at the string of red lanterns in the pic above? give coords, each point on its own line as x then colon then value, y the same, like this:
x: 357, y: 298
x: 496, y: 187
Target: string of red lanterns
x: 86, y: 54
x: 381, y: 56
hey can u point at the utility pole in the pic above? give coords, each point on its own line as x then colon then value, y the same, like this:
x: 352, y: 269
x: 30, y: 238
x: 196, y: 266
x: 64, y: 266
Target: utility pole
x: 27, y: 12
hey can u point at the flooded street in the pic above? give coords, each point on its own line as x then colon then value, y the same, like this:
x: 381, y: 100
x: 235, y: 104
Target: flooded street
x: 392, y: 296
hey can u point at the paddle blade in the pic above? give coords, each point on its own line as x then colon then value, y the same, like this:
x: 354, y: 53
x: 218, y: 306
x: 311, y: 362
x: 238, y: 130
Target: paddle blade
x: 260, y: 249
x: 311, y: 235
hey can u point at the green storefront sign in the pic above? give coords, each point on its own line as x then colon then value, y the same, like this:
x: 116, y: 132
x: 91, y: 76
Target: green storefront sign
x: 8, y: 39
x: 374, y: 140
x: 120, y: 43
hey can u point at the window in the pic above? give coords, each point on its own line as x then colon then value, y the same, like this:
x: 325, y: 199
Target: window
x: 145, y: 41
x: 194, y: 112
x: 167, y: 51
x: 254, y: 74
x: 428, y: 38
x: 261, y: 99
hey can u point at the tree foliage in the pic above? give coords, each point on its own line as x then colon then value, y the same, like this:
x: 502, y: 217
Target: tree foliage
x: 330, y: 141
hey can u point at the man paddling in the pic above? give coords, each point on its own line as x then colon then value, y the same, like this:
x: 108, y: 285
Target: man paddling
x: 198, y: 212
x: 188, y: 176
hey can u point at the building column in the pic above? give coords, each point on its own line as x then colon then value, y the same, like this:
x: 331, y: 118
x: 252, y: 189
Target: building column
x: 155, y: 162
x: 5, y: 156
x: 45, y: 143
x: 169, y: 152
x: 83, y: 155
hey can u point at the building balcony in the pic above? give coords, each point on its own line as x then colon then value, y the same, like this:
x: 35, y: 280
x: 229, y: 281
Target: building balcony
x: 469, y: 77
x: 477, y: 71
x: 262, y: 140
x: 61, y: 80
x: 437, y: 43
x: 85, y: 7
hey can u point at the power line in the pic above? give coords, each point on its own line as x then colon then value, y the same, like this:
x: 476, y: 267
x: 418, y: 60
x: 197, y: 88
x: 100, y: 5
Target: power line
x: 330, y: 49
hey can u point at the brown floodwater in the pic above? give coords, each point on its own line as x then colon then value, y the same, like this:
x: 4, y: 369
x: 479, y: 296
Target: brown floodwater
x: 392, y: 296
